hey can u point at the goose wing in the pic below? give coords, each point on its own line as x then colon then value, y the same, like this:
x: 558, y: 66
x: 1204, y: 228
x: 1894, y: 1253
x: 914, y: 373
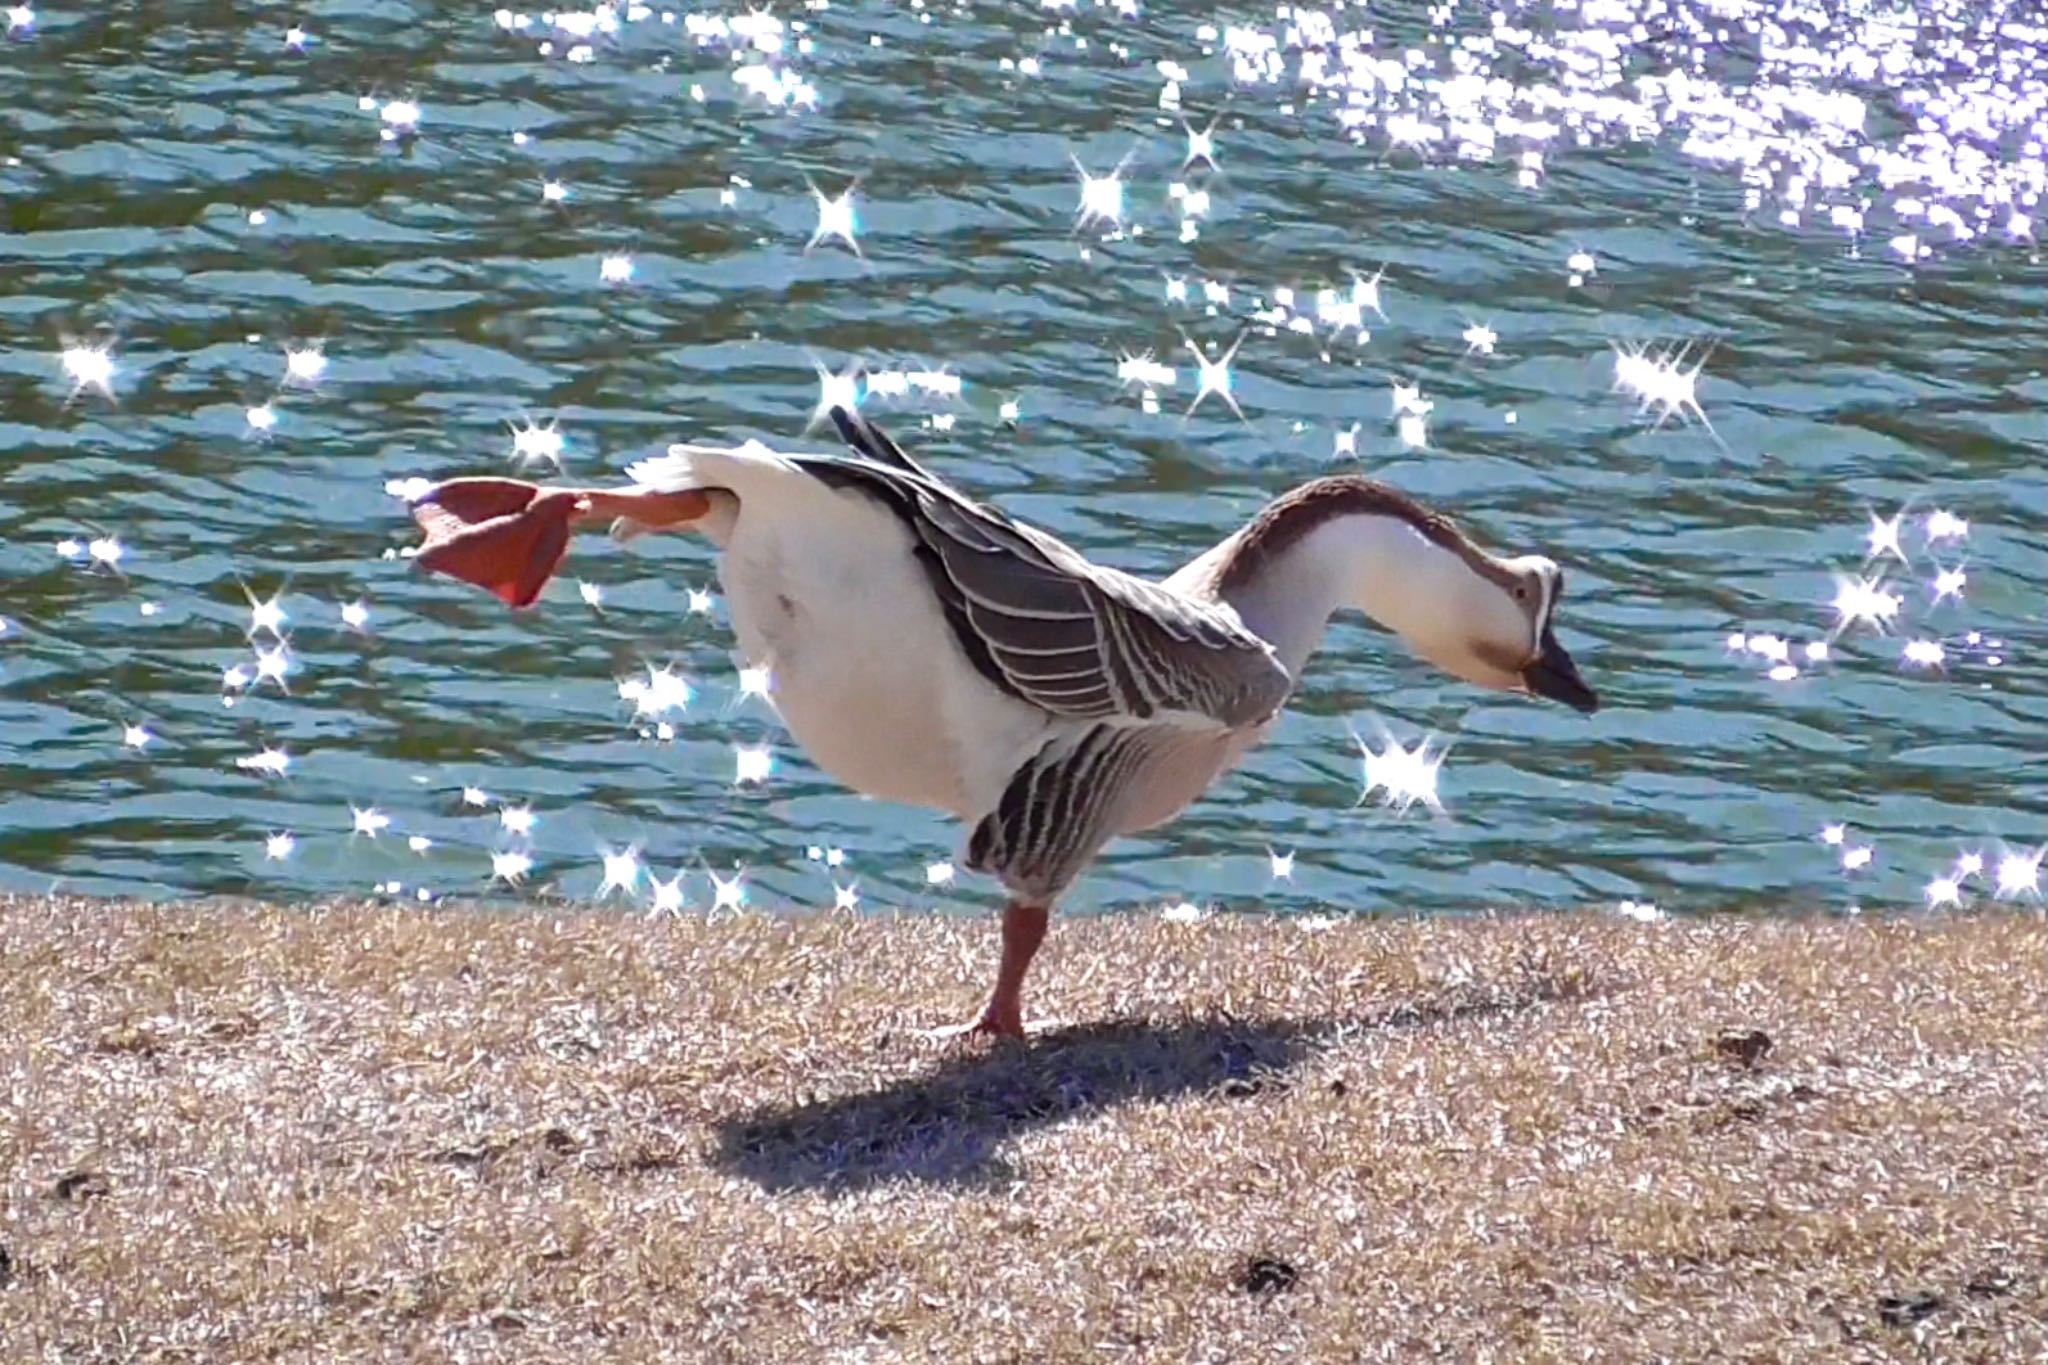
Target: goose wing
x: 1045, y: 625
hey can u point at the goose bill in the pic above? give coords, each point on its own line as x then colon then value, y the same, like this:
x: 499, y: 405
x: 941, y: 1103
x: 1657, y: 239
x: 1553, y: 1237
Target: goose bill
x: 1554, y: 675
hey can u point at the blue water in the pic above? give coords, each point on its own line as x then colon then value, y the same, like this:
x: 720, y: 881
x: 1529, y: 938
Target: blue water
x: 1832, y: 222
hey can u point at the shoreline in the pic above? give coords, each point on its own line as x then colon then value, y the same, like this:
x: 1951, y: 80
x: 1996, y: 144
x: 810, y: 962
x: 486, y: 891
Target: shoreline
x: 236, y: 1131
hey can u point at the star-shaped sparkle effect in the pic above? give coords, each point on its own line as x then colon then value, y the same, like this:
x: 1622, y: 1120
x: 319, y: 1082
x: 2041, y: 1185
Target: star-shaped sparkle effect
x: 1944, y: 525
x: 728, y: 893
x: 1282, y: 865
x: 1943, y: 892
x: 841, y: 390
x: 756, y: 680
x: 304, y: 364
x: 1479, y: 338
x: 615, y: 269
x: 1663, y: 382
x: 510, y: 866
x: 278, y: 847
x: 1201, y: 145
x: 265, y: 615
x: 1883, y: 538
x: 1863, y: 600
x: 1405, y: 775
x: 271, y: 762
x: 368, y: 820
x: 518, y: 820
x: 90, y: 367
x: 136, y: 736
x: 533, y: 443
x: 836, y: 219
x: 355, y: 615
x: 752, y: 763
x: 665, y: 897
x: 2019, y: 874
x: 1213, y: 376
x: 1948, y: 583
x: 1102, y: 196
x: 1365, y: 292
x: 621, y: 871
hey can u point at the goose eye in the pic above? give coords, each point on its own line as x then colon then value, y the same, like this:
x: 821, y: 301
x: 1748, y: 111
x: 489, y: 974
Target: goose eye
x: 1521, y: 592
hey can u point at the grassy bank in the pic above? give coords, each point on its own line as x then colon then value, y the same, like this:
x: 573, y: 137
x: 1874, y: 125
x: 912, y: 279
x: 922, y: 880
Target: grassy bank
x: 234, y: 1133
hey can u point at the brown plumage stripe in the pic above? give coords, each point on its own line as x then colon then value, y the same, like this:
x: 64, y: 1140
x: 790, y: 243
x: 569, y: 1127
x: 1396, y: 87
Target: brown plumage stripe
x: 1285, y: 521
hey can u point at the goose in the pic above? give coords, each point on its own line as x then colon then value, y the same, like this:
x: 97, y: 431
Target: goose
x: 925, y: 648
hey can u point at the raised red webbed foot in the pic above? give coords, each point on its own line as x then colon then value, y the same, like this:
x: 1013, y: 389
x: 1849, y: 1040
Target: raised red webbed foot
x: 508, y: 536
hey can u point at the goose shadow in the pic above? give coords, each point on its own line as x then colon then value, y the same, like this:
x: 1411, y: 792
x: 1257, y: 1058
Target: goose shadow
x: 948, y: 1125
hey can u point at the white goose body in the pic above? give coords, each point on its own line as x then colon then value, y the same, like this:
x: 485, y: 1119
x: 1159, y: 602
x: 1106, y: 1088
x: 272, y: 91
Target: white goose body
x: 821, y: 586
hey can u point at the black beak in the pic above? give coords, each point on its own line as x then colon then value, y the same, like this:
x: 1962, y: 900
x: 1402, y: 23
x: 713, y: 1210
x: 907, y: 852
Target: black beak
x: 1554, y: 675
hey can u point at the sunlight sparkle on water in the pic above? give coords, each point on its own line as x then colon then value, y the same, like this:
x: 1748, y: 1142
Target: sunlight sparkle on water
x: 1863, y: 600
x: 1943, y: 892
x: 533, y: 443
x: 841, y: 390
x: 20, y: 19
x: 419, y: 843
x: 615, y: 269
x: 699, y: 600
x: 939, y: 873
x: 261, y: 418
x: 553, y: 192
x: 845, y: 896
x: 1479, y: 338
x: 1102, y: 197
x: 1662, y: 382
x: 355, y: 615
x: 273, y: 664
x: 728, y: 893
x: 591, y: 593
x: 621, y: 871
x: 752, y: 763
x: 90, y: 367
x: 2019, y: 874
x: 305, y: 364
x: 1213, y: 376
x: 1405, y: 775
x: 1943, y: 525
x: 756, y: 680
x: 475, y: 796
x: 368, y: 820
x: 278, y: 847
x: 1923, y: 654
x: 662, y: 691
x: 518, y: 820
x: 265, y: 615
x: 401, y: 118
x: 665, y: 897
x: 1948, y: 583
x: 136, y: 736
x: 1281, y: 865
x: 1883, y: 538
x: 837, y: 219
x: 510, y: 866
x: 1201, y: 145
x: 106, y: 550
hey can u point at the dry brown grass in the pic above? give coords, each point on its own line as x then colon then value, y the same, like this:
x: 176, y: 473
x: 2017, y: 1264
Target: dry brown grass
x: 235, y: 1133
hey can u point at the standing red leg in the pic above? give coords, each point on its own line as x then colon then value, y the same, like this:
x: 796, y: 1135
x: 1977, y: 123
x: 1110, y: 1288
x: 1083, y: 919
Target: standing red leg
x: 1003, y: 1015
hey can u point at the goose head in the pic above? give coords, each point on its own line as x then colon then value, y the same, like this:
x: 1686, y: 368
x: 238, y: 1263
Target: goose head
x: 1491, y: 622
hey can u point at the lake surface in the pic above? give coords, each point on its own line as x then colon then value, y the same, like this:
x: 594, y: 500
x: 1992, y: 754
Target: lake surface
x: 1825, y: 210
